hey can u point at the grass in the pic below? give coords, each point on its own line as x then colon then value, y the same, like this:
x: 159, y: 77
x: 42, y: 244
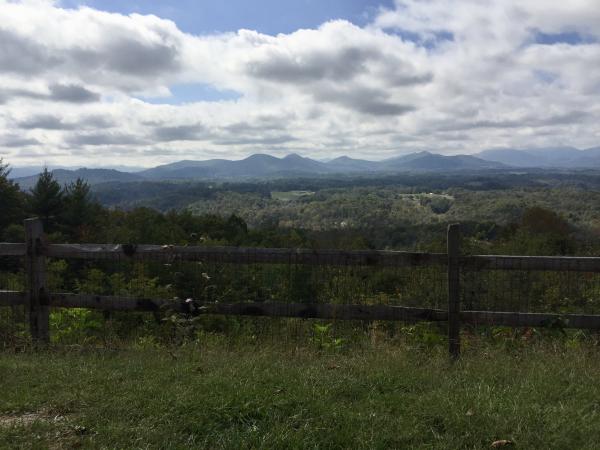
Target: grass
x: 255, y: 396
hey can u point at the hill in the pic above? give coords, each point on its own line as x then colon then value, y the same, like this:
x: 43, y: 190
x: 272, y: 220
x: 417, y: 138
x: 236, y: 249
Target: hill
x: 267, y: 166
x: 92, y: 176
x: 425, y: 161
x: 345, y: 164
x: 554, y: 157
x: 258, y: 165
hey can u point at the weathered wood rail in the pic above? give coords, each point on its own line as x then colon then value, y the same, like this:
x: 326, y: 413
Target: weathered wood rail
x: 240, y: 255
x: 306, y: 310
x: 39, y: 301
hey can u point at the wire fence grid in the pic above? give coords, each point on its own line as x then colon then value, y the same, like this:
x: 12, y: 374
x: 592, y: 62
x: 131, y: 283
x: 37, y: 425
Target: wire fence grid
x: 326, y: 281
x: 13, y: 320
x: 559, y: 292
x: 330, y: 280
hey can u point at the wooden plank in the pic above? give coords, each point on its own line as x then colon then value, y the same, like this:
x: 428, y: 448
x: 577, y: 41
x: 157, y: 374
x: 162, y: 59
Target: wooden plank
x: 114, y: 303
x: 268, y: 309
x: 39, y: 313
x: 516, y: 319
x: 531, y: 263
x: 323, y: 311
x: 329, y: 311
x: 13, y: 249
x: 13, y: 298
x: 453, y: 245
x: 244, y: 255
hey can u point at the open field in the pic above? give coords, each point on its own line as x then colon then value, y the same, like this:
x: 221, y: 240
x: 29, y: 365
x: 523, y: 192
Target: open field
x: 220, y: 395
x: 290, y: 195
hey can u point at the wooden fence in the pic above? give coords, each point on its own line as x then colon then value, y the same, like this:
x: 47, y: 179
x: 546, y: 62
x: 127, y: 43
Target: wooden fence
x: 39, y: 300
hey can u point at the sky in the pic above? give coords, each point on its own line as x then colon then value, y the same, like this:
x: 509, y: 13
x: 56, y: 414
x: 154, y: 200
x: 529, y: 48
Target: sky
x: 141, y: 83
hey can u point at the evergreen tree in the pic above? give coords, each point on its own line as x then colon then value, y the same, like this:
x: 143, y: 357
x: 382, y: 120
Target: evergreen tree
x: 11, y: 200
x: 81, y: 211
x: 47, y: 200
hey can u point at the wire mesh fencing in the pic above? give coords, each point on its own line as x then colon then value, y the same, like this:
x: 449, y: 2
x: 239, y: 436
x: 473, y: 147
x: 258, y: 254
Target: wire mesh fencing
x: 327, y: 280
x: 287, y: 294
x: 13, y: 320
x: 531, y: 291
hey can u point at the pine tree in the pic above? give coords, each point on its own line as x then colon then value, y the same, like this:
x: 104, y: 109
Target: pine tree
x: 46, y: 200
x: 80, y: 210
x: 11, y: 199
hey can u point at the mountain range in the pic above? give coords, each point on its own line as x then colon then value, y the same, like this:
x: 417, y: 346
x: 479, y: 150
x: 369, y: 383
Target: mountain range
x: 556, y: 157
x: 263, y: 166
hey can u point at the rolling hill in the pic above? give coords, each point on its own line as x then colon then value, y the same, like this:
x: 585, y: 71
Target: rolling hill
x: 555, y: 157
x: 258, y: 165
x: 267, y: 166
x: 425, y: 161
x: 92, y: 176
x: 261, y: 165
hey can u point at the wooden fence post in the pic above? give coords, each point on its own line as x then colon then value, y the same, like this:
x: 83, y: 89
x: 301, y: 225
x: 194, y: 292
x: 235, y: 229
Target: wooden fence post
x: 39, y: 311
x: 454, y: 290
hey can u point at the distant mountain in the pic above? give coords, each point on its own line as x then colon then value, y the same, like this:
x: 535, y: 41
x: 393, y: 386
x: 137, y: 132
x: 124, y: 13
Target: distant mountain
x: 265, y: 166
x: 258, y: 165
x: 92, y: 176
x: 425, y: 161
x: 21, y: 172
x: 27, y: 171
x: 346, y: 164
x: 184, y: 169
x: 510, y: 157
x: 399, y: 161
x: 553, y: 157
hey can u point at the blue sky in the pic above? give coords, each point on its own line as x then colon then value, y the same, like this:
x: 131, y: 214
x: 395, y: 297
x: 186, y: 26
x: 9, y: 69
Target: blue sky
x: 266, y: 16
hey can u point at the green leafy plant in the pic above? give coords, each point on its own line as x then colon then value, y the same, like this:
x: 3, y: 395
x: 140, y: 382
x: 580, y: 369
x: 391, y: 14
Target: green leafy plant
x: 423, y: 335
x: 76, y: 325
x: 324, y: 339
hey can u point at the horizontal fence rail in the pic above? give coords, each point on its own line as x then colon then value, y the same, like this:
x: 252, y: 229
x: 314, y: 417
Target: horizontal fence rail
x: 169, y: 253
x: 38, y: 298
x: 269, y: 309
x: 233, y: 255
x: 531, y: 263
x: 13, y: 298
x: 307, y: 310
x: 9, y: 249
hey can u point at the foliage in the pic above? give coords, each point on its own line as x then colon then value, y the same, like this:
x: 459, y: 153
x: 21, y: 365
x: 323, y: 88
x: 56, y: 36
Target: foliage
x: 46, y: 199
x: 324, y: 339
x: 11, y: 202
x: 81, y: 212
x: 545, y: 214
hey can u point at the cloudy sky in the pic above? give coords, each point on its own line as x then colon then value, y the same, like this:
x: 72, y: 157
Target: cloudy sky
x: 102, y: 83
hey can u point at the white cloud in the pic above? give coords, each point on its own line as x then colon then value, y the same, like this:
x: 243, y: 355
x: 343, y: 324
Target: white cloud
x: 445, y: 75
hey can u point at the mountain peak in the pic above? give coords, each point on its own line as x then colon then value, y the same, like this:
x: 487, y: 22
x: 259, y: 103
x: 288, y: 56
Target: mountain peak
x: 259, y: 156
x: 294, y: 156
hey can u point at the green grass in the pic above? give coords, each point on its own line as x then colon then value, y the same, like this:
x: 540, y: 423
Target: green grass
x: 255, y: 396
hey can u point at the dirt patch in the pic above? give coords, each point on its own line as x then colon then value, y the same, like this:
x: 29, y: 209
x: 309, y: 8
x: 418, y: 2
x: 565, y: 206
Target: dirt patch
x: 26, y: 419
x: 63, y: 434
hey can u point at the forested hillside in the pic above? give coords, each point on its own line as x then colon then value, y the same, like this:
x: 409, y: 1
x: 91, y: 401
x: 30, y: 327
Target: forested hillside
x: 528, y: 213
